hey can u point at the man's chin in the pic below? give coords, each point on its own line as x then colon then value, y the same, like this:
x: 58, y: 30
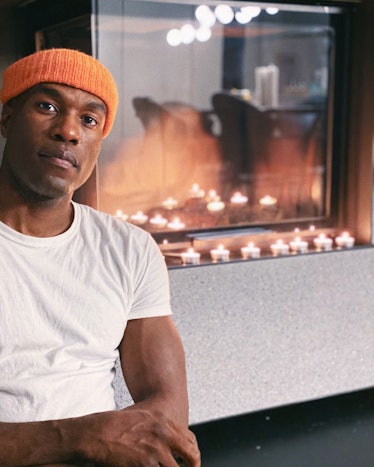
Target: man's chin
x: 59, y: 188
x: 55, y: 190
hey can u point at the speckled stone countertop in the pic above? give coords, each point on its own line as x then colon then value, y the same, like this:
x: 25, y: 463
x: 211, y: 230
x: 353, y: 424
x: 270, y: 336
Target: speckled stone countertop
x: 269, y: 332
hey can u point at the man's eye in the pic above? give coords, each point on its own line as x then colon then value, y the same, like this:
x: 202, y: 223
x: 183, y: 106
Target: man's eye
x: 47, y: 107
x: 89, y: 120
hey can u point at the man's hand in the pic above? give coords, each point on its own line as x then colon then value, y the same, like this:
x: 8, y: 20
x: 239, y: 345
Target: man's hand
x: 134, y: 437
x: 137, y: 437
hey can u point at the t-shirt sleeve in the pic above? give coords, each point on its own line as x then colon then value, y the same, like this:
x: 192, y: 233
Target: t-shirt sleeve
x: 151, y: 293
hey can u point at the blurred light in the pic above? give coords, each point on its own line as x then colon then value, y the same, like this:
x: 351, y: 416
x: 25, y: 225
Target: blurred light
x: 272, y: 11
x: 252, y: 10
x: 243, y: 17
x: 187, y: 33
x: 224, y: 13
x: 174, y: 37
x: 203, y: 34
x: 205, y: 16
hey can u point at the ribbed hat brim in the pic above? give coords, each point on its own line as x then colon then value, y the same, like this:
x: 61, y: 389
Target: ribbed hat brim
x: 64, y: 66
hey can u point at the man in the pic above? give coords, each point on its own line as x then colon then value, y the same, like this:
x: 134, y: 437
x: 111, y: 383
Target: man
x: 78, y: 288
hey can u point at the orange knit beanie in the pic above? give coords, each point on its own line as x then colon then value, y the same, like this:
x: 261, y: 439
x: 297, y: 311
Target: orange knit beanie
x: 64, y: 66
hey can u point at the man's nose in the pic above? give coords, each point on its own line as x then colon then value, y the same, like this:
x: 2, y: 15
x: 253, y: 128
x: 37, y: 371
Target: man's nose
x: 66, y: 128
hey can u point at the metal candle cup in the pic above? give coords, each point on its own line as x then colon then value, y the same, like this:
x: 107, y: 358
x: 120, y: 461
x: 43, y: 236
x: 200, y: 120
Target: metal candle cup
x: 139, y: 218
x: 345, y: 240
x: 220, y: 253
x: 279, y: 248
x: 322, y: 243
x: 250, y: 251
x: 190, y: 257
x: 298, y: 245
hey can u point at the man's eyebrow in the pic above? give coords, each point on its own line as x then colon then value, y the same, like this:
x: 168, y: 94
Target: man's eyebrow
x: 41, y: 88
x: 94, y: 105
x: 52, y: 92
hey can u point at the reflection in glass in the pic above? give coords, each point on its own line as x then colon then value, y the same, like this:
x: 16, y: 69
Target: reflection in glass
x: 223, y: 113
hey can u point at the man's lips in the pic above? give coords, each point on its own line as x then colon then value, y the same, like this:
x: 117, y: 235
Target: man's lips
x: 61, y: 158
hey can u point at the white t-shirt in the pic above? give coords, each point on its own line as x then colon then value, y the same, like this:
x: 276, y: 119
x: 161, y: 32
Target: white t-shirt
x: 64, y: 305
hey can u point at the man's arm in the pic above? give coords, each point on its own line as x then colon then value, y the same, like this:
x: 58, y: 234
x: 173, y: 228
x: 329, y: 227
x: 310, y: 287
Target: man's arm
x: 153, y: 431
x: 39, y: 443
x: 153, y: 365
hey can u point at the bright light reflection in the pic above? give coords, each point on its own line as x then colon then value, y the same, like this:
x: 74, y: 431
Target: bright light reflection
x: 187, y: 33
x: 251, y: 10
x: 246, y: 14
x: 272, y: 11
x: 242, y: 18
x: 174, y: 37
x: 224, y: 14
x: 203, y: 34
x: 205, y: 16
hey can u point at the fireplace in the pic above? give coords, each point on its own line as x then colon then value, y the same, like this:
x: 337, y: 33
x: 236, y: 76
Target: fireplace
x: 231, y: 124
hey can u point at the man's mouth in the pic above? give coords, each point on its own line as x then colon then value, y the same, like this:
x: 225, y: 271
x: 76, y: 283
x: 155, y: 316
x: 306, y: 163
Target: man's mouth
x: 62, y: 158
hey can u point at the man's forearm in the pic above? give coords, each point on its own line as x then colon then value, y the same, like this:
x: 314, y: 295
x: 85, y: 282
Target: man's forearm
x: 139, y: 435
x: 35, y: 443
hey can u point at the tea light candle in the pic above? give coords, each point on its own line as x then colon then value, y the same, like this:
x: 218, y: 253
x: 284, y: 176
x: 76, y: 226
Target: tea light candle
x: 279, y: 248
x: 298, y: 245
x: 139, y: 218
x: 176, y: 224
x: 212, y: 195
x: 190, y: 257
x: 121, y: 215
x: 250, y: 251
x: 196, y: 192
x: 268, y: 201
x: 220, y: 253
x: 158, y: 221
x: 216, y: 205
x: 238, y: 199
x: 322, y: 242
x: 345, y: 240
x: 170, y: 203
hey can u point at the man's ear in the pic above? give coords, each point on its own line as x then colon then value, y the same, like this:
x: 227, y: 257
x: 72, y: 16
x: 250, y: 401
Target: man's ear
x: 4, y: 120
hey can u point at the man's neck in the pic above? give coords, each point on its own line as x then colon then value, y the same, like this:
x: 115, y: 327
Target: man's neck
x: 37, y: 219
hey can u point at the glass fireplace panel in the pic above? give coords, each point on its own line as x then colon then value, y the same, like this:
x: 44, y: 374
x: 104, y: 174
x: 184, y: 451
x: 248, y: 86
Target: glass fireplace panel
x: 223, y: 116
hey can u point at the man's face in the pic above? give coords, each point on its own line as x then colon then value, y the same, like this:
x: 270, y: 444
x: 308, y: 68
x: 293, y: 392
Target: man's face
x: 54, y: 135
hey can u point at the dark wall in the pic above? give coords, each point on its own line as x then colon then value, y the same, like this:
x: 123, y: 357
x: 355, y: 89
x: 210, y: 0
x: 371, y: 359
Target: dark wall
x: 41, y: 14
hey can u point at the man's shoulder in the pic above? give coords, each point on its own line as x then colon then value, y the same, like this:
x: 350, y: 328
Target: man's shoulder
x: 106, y: 224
